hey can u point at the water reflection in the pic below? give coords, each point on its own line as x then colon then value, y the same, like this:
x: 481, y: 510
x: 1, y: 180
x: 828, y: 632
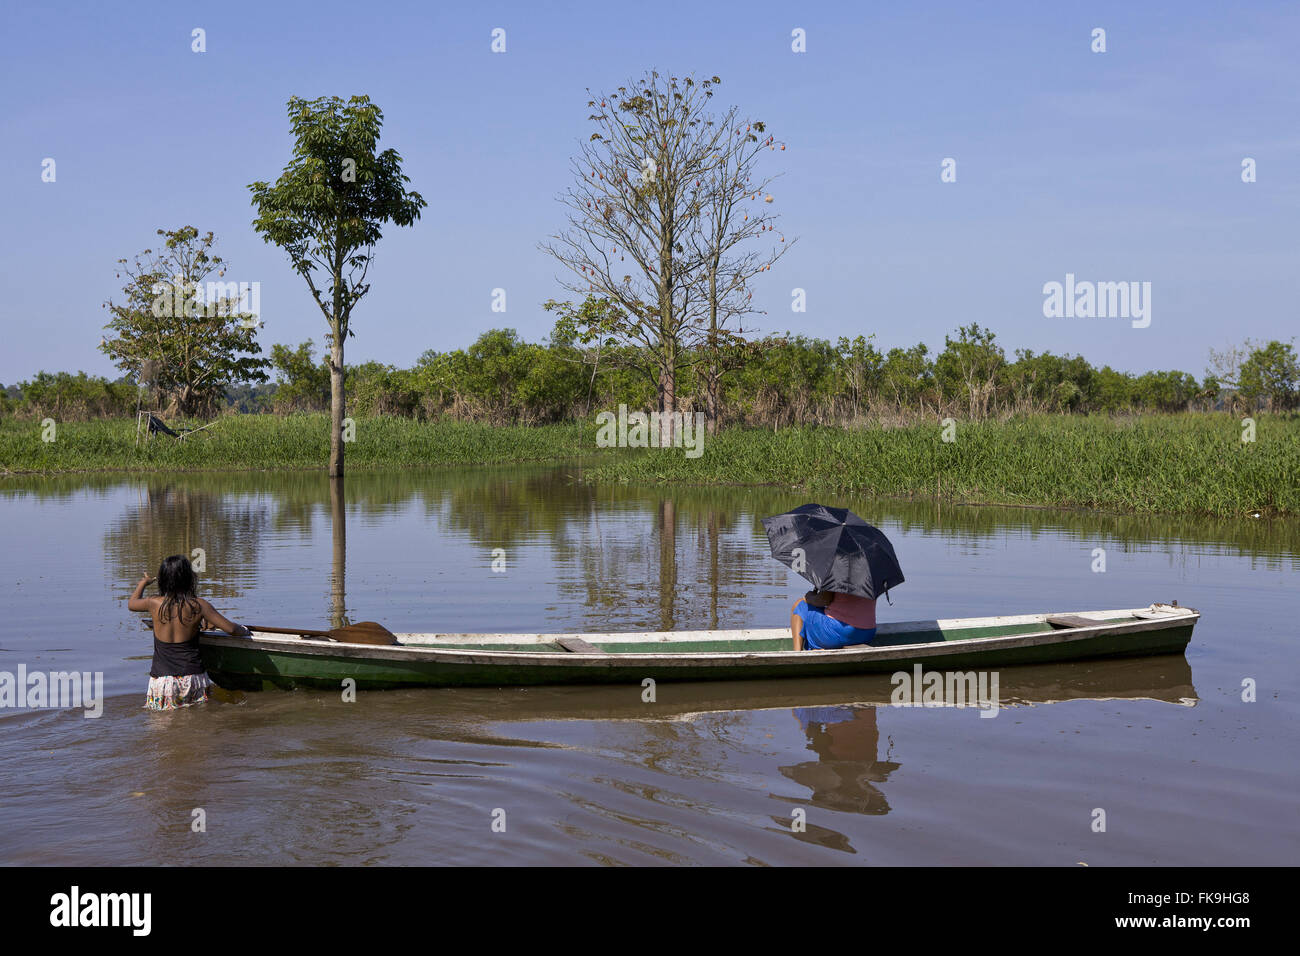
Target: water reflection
x: 220, y: 532
x: 338, y: 553
x: 618, y: 557
x: 1167, y: 679
x: 515, y: 507
x: 845, y: 766
x: 845, y: 770
x: 706, y: 773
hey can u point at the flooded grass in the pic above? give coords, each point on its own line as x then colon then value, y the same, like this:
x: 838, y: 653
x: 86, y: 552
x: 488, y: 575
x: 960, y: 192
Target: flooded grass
x: 252, y: 442
x: 1194, y: 464
x: 1159, y: 464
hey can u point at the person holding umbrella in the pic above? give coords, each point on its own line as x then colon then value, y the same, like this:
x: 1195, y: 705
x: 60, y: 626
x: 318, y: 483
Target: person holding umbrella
x: 827, y: 621
x: 849, y: 563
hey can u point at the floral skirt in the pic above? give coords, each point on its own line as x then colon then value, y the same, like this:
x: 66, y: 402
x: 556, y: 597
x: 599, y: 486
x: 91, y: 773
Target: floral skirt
x: 171, y: 693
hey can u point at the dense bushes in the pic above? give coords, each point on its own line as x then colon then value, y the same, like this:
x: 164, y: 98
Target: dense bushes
x: 64, y: 396
x: 777, y: 381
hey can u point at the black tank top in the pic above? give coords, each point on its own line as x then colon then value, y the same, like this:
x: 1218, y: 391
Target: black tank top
x: 176, y: 660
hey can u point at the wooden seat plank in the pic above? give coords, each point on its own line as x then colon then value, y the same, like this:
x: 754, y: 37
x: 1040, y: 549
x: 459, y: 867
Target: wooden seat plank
x: 578, y: 646
x: 1071, y: 620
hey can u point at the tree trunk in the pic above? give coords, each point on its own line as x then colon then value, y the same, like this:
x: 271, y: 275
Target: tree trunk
x: 711, y: 402
x: 667, y: 404
x: 667, y: 342
x: 714, y: 372
x: 336, y: 407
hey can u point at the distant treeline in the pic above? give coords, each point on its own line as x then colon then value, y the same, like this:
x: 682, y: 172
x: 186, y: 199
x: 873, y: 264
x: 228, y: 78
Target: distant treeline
x: 775, y: 381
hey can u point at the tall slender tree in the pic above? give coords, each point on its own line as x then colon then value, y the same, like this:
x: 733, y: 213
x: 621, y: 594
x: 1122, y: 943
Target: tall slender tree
x: 327, y: 211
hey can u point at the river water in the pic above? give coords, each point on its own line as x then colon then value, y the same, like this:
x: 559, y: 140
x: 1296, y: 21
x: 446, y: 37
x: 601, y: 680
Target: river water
x: 1184, y: 769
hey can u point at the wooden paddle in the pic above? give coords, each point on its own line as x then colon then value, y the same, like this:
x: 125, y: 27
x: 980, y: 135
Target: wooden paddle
x: 367, y: 632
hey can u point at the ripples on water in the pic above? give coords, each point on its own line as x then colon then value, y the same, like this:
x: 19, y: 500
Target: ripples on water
x: 1186, y: 771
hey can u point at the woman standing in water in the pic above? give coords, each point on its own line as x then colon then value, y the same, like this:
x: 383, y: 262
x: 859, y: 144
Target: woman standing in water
x: 177, y: 678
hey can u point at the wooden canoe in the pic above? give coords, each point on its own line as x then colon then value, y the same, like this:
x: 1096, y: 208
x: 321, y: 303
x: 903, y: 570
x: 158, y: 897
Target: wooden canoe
x: 502, y: 660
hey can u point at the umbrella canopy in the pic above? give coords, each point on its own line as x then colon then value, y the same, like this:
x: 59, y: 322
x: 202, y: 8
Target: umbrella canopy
x: 835, y: 550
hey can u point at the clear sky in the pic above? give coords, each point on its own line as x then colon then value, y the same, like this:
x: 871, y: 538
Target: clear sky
x: 1115, y: 166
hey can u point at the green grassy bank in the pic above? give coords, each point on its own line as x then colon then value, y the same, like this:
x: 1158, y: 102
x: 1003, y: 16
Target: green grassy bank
x: 248, y: 442
x: 1172, y: 464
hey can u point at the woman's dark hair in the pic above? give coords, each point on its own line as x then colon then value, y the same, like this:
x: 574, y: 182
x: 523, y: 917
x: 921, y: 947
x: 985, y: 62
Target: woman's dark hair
x: 176, y: 584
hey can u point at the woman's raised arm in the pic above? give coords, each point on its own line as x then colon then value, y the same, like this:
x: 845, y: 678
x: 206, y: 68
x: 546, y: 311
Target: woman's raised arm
x: 137, y: 601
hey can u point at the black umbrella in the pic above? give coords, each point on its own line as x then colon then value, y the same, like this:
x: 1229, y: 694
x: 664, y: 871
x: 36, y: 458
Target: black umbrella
x: 835, y: 550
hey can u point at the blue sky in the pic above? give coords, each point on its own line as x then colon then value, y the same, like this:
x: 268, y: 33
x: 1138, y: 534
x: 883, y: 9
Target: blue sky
x: 1115, y: 166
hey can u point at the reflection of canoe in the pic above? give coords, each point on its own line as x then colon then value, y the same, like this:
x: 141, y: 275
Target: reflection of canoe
x: 496, y: 660
x: 1167, y: 678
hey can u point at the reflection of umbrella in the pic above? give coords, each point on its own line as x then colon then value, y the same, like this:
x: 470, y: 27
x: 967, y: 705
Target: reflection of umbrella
x: 835, y: 550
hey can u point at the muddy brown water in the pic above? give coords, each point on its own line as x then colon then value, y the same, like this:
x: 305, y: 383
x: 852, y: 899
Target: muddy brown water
x: 788, y: 772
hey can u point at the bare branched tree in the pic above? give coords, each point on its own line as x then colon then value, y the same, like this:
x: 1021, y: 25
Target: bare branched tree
x: 636, y: 234
x: 1225, y: 370
x: 735, y: 213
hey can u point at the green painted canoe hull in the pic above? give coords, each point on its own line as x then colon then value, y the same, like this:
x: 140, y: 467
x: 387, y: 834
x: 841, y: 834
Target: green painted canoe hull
x: 458, y: 661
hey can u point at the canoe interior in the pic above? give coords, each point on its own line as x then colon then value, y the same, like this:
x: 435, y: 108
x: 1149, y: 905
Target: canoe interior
x: 770, y: 639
